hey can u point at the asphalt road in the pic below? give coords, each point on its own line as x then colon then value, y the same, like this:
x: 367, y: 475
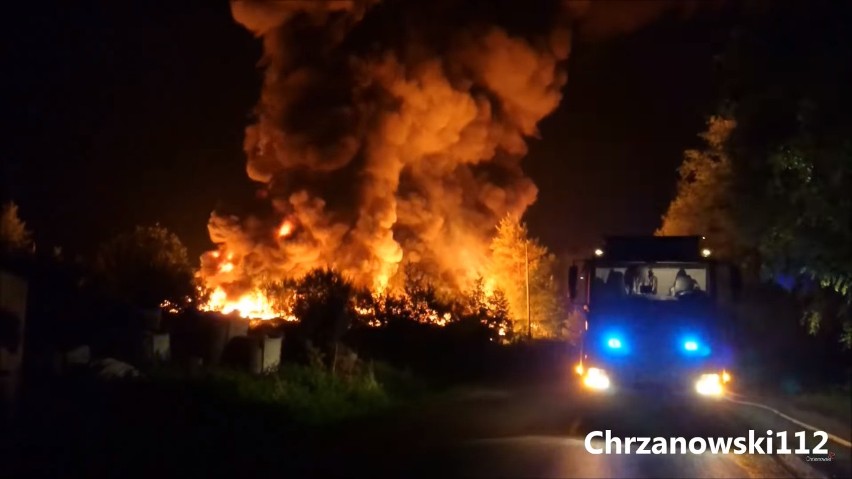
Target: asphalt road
x: 540, y: 432
x: 522, y: 431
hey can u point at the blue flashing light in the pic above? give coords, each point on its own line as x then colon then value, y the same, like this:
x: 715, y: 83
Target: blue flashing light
x: 614, y: 343
x: 694, y: 347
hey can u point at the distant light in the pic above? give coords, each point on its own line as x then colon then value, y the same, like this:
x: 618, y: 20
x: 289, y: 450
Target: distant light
x: 706, y: 252
x: 704, y: 237
x: 690, y: 346
x: 596, y: 379
x: 726, y: 377
x: 614, y: 343
x: 599, y: 252
x: 709, y: 385
x: 579, y: 369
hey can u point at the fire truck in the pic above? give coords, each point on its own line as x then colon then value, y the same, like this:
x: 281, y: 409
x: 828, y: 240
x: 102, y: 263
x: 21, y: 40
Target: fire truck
x: 656, y: 313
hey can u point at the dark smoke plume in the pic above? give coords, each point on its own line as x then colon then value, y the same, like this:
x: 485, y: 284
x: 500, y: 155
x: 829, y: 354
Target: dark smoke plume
x: 389, y: 136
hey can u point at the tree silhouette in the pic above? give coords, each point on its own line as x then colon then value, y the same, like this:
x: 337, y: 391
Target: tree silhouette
x: 510, y: 248
x: 491, y: 309
x: 14, y: 235
x: 772, y: 187
x: 703, y: 205
x: 323, y: 299
x: 145, y: 267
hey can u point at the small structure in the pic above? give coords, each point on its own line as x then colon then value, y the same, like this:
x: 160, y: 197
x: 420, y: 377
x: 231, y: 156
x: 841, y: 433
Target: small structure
x: 257, y: 354
x: 270, y: 354
x: 220, y: 330
x: 156, y: 347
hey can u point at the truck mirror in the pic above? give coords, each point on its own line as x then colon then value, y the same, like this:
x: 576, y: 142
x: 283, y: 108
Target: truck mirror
x: 572, y: 282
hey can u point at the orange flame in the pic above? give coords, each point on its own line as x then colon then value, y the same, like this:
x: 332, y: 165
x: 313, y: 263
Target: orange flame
x: 251, y: 305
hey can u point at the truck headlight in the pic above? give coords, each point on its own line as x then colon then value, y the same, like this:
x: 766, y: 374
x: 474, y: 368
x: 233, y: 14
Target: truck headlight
x: 709, y: 385
x: 596, y: 378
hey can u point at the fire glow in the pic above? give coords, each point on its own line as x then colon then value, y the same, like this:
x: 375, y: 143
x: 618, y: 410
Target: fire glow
x: 255, y: 305
x: 285, y: 230
x: 251, y: 305
x: 428, y: 147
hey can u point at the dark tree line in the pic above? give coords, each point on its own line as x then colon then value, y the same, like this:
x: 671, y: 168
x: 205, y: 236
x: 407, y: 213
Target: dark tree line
x: 771, y: 189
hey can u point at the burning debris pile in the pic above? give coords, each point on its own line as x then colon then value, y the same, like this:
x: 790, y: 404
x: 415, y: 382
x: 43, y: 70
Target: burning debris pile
x: 325, y: 296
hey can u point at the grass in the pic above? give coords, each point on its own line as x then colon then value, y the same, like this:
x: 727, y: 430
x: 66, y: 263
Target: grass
x: 833, y: 403
x: 203, y: 422
x: 303, y: 394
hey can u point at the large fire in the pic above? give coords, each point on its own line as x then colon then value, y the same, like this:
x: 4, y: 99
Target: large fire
x: 381, y: 152
x: 251, y: 305
x: 387, y: 160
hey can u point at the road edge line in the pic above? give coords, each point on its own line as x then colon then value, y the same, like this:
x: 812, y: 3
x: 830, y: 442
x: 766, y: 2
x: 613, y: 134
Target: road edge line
x: 835, y: 438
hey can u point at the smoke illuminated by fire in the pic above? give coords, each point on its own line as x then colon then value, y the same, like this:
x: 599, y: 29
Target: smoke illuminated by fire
x: 384, y: 150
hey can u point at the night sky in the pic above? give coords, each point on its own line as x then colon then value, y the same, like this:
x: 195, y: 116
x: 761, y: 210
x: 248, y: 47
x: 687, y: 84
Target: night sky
x: 119, y: 115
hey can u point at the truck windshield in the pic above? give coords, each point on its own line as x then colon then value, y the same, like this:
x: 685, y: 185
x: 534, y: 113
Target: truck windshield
x: 652, y: 281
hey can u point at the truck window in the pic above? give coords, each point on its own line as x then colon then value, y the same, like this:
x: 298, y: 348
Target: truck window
x: 652, y: 281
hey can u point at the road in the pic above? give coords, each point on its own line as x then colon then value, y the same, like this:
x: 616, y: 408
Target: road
x: 520, y: 431
x: 540, y: 432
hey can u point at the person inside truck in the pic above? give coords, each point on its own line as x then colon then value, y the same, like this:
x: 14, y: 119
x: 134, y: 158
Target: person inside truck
x: 681, y: 283
x: 649, y: 285
x: 684, y: 284
x: 632, y: 280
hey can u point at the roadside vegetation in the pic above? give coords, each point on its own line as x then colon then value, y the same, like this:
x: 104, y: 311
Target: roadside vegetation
x: 304, y: 394
x: 203, y: 422
x: 769, y: 188
x: 833, y: 402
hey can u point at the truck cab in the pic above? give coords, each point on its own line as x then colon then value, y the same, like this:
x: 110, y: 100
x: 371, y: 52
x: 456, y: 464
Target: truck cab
x: 655, y: 315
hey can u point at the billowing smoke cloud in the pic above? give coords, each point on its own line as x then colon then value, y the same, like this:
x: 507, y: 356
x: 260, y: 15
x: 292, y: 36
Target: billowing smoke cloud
x: 388, y: 136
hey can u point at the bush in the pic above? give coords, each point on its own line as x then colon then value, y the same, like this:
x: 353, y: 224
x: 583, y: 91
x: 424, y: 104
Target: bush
x: 322, y: 303
x: 146, y: 266
x: 303, y: 394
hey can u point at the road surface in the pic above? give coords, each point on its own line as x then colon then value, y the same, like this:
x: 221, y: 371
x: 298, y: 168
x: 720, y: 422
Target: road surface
x: 518, y: 432
x: 540, y: 432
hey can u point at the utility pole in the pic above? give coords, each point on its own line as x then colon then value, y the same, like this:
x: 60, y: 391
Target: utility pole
x: 527, y: 263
